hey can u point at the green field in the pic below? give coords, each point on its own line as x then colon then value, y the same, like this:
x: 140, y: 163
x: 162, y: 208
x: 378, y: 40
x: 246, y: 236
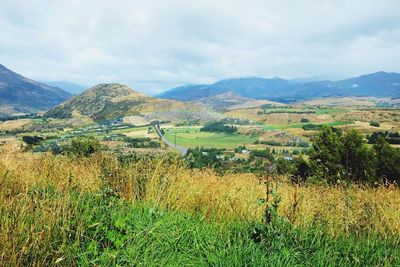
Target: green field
x: 192, y: 137
x: 131, y: 129
x: 321, y: 111
x: 300, y: 125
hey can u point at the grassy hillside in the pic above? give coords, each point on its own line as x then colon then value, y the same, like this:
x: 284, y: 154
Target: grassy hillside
x: 101, y: 210
x: 108, y: 101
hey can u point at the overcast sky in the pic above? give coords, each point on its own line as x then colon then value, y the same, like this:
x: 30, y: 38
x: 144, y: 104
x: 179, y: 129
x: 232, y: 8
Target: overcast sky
x: 156, y: 45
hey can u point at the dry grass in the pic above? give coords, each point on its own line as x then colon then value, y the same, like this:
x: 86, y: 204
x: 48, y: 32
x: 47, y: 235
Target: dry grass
x: 169, y: 184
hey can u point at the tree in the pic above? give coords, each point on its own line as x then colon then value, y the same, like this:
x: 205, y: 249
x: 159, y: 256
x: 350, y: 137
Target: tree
x: 388, y: 161
x: 32, y: 140
x: 301, y: 171
x: 357, y: 159
x: 326, y: 154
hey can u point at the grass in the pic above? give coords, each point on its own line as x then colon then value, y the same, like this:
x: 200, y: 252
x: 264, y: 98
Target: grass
x: 59, y: 210
x: 131, y: 129
x: 300, y: 125
x: 192, y: 137
x: 330, y: 111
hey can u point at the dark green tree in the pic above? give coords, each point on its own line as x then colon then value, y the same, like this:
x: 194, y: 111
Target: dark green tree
x: 358, y: 160
x: 326, y: 153
x: 388, y: 161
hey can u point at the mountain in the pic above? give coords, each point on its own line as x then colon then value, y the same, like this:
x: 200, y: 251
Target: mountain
x: 72, y: 88
x: 375, y: 84
x: 231, y: 100
x: 109, y: 101
x: 19, y: 94
x: 379, y: 84
x: 252, y: 87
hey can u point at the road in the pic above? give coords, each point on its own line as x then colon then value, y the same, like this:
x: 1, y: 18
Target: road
x: 181, y: 149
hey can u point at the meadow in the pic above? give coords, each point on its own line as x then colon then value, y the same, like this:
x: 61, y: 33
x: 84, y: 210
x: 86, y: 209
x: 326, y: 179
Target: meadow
x: 191, y: 137
x: 105, y: 210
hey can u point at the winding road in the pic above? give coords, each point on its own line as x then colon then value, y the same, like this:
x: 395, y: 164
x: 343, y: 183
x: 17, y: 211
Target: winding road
x: 181, y: 149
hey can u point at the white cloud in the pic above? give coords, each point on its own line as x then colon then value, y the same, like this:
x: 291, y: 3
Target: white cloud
x: 154, y: 45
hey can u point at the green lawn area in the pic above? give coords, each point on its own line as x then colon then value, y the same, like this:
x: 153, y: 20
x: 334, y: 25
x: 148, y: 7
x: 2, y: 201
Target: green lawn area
x: 330, y: 111
x: 300, y: 125
x: 192, y: 137
x: 131, y: 129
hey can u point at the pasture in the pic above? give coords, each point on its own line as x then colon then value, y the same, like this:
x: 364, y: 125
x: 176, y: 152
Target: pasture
x: 191, y: 137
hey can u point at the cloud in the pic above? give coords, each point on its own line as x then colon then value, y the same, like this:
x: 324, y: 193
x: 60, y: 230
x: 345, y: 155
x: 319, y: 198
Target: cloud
x: 155, y: 45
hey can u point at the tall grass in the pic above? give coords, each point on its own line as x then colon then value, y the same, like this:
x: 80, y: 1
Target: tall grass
x: 58, y: 209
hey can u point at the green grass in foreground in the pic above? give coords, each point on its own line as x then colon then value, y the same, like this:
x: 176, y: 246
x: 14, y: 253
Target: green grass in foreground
x: 192, y: 137
x: 103, y: 230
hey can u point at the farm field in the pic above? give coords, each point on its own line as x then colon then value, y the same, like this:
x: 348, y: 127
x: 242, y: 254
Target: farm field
x: 300, y: 125
x: 191, y: 137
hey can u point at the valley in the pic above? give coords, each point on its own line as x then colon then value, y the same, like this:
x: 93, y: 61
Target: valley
x: 253, y: 177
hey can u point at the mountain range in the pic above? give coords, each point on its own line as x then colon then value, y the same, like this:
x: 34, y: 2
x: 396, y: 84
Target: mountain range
x: 20, y: 95
x: 379, y: 84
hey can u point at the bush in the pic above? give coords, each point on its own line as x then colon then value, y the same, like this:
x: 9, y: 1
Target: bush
x: 374, y: 124
x: 32, y: 140
x: 83, y: 146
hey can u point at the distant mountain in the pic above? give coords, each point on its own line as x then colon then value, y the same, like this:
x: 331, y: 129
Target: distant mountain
x: 109, y: 101
x: 231, y: 100
x: 375, y: 84
x: 248, y: 87
x: 380, y: 84
x: 19, y: 94
x: 72, y: 88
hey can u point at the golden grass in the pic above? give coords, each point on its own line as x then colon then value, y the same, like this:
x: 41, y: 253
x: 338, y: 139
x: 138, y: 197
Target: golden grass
x: 167, y: 183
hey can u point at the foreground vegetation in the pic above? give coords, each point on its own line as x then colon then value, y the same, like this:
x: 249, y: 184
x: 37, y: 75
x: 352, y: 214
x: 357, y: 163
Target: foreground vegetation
x: 100, y: 209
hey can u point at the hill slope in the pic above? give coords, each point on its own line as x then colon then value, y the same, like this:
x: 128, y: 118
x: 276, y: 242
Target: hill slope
x: 108, y: 101
x: 19, y: 94
x: 379, y: 84
x: 231, y: 100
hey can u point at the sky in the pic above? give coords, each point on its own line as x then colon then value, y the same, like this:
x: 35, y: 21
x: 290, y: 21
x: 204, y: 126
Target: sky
x: 153, y: 46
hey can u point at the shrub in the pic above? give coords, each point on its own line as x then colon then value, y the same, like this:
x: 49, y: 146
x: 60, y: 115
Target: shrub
x: 374, y: 124
x: 32, y: 140
x: 83, y: 146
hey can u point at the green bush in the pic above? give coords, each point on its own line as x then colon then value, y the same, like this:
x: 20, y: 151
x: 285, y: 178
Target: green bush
x: 83, y: 146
